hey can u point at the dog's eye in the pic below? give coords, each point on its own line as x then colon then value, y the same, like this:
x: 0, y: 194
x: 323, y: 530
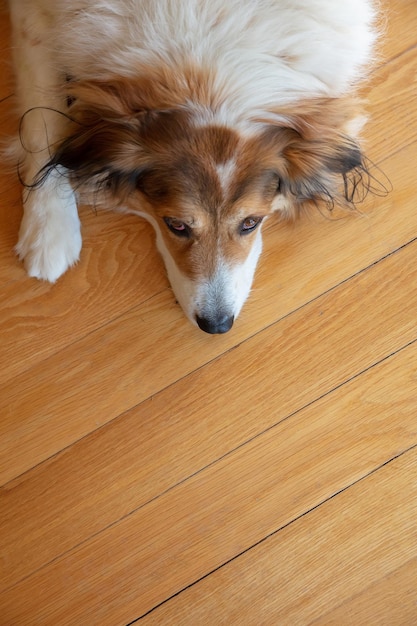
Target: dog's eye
x: 249, y: 224
x: 177, y: 227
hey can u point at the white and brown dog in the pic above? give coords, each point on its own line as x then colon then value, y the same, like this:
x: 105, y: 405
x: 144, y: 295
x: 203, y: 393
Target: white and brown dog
x: 202, y: 116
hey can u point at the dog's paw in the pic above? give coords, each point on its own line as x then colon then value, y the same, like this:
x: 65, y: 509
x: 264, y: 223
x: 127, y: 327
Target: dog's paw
x: 48, y: 250
x: 50, y: 237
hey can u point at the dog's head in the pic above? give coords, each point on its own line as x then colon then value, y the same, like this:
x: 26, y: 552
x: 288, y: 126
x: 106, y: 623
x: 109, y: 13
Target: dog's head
x: 207, y: 186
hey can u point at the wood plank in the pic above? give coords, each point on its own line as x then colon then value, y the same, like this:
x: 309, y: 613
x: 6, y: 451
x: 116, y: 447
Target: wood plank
x: 153, y: 346
x: 390, y: 126
x: 398, y: 27
x: 391, y: 601
x: 202, y: 523
x: 363, y: 535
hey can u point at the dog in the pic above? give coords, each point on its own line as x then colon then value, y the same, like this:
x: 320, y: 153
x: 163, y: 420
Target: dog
x: 204, y: 117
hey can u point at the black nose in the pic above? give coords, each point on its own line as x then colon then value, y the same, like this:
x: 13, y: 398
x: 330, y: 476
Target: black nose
x: 216, y: 326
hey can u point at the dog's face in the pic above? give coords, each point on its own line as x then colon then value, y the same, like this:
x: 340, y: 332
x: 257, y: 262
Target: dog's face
x: 207, y: 192
x: 206, y: 187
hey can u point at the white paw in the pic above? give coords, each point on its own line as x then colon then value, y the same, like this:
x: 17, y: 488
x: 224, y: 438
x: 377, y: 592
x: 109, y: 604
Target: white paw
x: 48, y: 250
x: 50, y: 237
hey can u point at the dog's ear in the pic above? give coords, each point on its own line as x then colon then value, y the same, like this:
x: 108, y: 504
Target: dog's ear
x: 321, y: 161
x: 330, y: 168
x: 101, y: 140
x: 113, y: 133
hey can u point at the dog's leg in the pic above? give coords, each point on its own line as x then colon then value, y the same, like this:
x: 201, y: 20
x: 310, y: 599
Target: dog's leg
x: 49, y: 238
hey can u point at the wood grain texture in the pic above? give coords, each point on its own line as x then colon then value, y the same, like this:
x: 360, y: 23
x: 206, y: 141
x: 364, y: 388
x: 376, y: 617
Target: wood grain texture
x: 390, y: 600
x: 123, y: 454
x: 162, y: 548
x: 396, y: 27
x: 320, y: 559
x: 388, y: 96
x: 267, y: 476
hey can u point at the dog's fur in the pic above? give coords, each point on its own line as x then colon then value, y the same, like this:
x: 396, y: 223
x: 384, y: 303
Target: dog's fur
x: 203, y: 116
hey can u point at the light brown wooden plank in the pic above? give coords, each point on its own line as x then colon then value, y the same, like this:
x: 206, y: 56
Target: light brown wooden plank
x: 391, y: 601
x: 153, y: 345
x: 364, y: 534
x: 202, y: 523
x: 387, y: 94
x: 397, y: 28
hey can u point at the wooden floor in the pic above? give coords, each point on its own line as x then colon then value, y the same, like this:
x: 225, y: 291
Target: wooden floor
x: 156, y: 474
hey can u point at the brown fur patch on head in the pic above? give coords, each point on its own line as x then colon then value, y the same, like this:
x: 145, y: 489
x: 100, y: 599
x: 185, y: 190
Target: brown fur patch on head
x: 142, y: 133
